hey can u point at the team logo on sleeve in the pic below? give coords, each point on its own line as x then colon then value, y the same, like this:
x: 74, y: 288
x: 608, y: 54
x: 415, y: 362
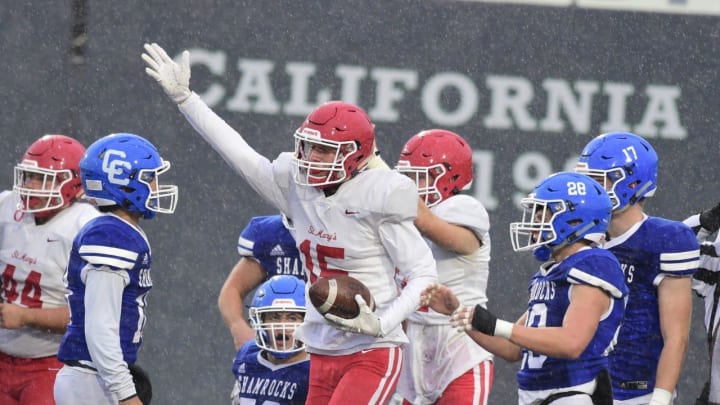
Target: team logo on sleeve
x: 144, y: 279
x: 113, y: 166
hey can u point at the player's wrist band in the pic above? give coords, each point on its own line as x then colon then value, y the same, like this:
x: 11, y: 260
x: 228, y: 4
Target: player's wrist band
x: 503, y: 328
x: 661, y: 397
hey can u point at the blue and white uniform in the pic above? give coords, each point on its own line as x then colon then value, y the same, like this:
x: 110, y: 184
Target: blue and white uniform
x: 649, y: 251
x: 550, y: 291
x: 267, y: 240
x: 258, y: 381
x: 108, y: 278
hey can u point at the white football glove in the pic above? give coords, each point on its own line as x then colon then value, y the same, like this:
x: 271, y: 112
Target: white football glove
x: 174, y: 78
x: 367, y: 322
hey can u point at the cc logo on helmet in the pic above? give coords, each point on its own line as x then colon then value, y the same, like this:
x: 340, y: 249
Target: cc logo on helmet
x: 114, y: 167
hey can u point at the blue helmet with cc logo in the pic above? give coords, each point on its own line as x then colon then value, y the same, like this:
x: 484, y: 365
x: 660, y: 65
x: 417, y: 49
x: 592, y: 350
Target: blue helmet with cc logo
x: 123, y: 169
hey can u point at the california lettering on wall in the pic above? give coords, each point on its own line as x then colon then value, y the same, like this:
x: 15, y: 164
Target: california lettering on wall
x: 569, y: 106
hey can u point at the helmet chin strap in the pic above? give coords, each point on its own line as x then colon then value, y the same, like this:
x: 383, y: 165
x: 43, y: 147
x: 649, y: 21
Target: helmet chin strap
x: 640, y: 192
x: 543, y: 253
x: 281, y: 355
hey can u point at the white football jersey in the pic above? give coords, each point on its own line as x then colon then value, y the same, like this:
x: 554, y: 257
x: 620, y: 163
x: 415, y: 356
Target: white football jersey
x: 465, y: 275
x: 32, y: 262
x: 364, y: 230
x: 437, y: 354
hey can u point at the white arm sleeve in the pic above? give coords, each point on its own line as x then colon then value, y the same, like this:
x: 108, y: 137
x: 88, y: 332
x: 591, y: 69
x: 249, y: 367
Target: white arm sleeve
x: 692, y: 221
x: 103, y: 303
x: 255, y: 168
x: 412, y: 256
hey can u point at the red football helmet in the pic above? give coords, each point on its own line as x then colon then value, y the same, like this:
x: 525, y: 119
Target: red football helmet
x: 334, y: 126
x: 48, y: 177
x: 439, y: 161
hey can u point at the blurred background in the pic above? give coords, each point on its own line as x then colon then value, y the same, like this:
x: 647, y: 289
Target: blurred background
x: 527, y: 83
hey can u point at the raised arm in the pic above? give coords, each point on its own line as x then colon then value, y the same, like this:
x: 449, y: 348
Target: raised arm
x: 174, y: 78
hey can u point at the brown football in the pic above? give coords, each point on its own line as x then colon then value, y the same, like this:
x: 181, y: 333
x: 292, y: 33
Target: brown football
x: 336, y: 295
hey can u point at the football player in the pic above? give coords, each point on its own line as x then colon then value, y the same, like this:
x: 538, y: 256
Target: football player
x: 38, y: 221
x: 108, y: 276
x: 266, y: 248
x: 440, y: 366
x: 348, y: 220
x: 658, y: 257
x: 705, y: 284
x: 274, y: 359
x: 576, y: 303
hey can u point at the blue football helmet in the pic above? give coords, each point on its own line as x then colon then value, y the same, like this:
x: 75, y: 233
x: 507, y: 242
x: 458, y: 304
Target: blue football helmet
x: 124, y: 170
x: 279, y: 294
x: 625, y: 163
x: 563, y: 208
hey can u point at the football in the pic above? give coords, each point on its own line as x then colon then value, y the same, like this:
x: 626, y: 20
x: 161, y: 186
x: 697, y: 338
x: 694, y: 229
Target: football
x: 336, y: 295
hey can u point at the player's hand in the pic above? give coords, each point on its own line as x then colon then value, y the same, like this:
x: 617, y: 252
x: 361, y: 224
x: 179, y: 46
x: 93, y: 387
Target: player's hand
x: 367, y: 322
x: 174, y: 78
x: 440, y: 298
x: 710, y: 219
x: 11, y: 316
x: 461, y: 318
x: 480, y: 319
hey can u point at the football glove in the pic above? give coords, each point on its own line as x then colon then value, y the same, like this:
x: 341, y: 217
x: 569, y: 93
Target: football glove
x: 174, y: 78
x: 710, y: 219
x: 366, y: 323
x: 143, y: 388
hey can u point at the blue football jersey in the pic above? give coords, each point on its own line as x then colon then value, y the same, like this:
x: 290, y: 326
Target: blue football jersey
x: 549, y: 300
x: 267, y: 240
x: 267, y: 383
x: 108, y: 241
x: 657, y: 247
